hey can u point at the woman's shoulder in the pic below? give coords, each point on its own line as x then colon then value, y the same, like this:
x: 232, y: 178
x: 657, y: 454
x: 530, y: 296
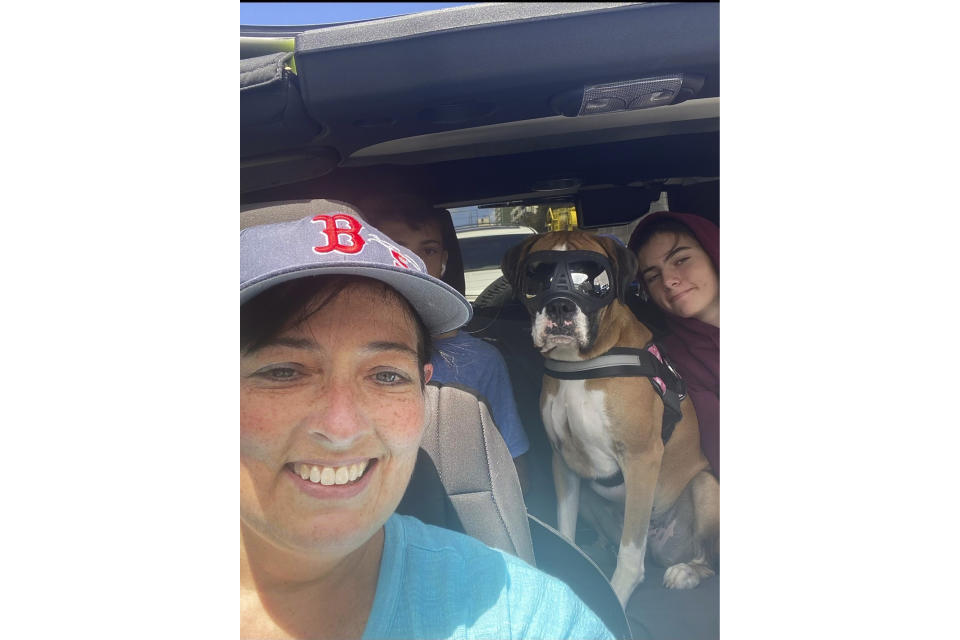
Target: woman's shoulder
x: 540, y: 603
x: 433, y: 539
x: 468, y: 550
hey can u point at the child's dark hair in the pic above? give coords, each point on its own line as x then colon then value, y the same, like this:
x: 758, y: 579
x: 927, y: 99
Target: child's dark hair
x: 415, y: 212
x: 643, y: 234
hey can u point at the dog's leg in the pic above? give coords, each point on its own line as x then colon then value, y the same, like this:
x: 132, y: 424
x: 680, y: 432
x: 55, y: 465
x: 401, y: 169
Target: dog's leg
x: 640, y: 477
x: 705, y: 491
x: 567, y: 484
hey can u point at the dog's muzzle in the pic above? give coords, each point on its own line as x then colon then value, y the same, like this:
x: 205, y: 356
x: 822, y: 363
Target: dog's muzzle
x: 562, y: 281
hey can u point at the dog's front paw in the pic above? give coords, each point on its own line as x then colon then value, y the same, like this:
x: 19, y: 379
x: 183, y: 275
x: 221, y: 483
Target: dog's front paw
x: 681, y: 576
x: 624, y: 581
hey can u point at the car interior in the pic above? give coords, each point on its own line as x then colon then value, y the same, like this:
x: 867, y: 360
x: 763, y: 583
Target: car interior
x: 613, y: 107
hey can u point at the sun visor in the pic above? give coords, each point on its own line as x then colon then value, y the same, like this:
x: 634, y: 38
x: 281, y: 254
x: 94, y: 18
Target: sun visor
x: 614, y: 206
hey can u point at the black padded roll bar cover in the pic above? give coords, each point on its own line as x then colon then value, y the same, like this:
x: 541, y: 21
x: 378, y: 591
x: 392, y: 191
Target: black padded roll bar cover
x: 272, y: 116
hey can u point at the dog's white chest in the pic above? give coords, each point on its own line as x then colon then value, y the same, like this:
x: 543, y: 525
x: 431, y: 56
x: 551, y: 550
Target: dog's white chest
x: 578, y: 417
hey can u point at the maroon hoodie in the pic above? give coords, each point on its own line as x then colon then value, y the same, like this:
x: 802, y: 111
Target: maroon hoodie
x: 694, y: 346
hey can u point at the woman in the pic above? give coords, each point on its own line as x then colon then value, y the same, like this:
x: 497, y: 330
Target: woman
x: 335, y: 337
x: 458, y: 357
x: 678, y: 259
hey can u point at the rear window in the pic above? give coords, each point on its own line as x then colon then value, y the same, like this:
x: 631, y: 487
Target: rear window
x: 485, y: 252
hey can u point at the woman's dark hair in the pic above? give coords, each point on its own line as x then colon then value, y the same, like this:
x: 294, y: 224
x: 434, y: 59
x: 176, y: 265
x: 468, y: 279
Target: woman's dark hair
x: 415, y: 212
x: 291, y: 303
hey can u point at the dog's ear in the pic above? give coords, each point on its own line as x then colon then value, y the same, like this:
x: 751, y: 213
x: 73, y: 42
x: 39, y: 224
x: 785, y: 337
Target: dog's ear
x: 510, y: 265
x: 624, y: 262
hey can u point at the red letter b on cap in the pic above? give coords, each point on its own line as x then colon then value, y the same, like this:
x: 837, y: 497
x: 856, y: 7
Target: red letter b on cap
x: 336, y: 232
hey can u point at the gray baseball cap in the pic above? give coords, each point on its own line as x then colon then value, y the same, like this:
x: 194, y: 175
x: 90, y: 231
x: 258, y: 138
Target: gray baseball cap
x: 295, y: 239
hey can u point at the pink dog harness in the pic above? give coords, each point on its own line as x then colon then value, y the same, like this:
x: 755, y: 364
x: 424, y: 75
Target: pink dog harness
x: 619, y: 362
x: 648, y: 363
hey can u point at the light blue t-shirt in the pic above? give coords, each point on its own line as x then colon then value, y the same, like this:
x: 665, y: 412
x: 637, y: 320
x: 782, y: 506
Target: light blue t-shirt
x: 472, y: 363
x: 436, y: 583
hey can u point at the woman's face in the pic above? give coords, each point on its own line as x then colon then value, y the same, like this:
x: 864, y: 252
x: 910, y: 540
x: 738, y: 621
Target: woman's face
x: 331, y: 415
x: 426, y: 242
x: 680, y: 277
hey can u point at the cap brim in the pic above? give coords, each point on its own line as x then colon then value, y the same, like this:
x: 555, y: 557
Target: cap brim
x: 440, y: 306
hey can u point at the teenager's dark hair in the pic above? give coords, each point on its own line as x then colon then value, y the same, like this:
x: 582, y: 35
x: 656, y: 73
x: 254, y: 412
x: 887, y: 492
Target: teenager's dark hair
x: 290, y: 303
x: 415, y: 212
x: 663, y: 225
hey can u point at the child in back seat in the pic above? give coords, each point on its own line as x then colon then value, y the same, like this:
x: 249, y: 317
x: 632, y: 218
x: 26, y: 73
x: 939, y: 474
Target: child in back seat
x: 458, y: 358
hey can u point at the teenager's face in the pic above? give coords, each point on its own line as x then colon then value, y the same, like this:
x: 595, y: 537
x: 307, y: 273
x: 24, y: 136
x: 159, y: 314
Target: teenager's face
x: 426, y: 242
x: 680, y: 276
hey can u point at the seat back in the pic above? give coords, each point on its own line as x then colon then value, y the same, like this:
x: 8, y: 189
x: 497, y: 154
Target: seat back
x: 476, y: 469
x: 564, y: 560
x: 426, y: 498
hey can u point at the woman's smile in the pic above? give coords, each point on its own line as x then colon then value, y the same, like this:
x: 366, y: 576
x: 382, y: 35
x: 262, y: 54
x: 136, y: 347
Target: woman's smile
x: 329, y: 474
x: 332, y: 482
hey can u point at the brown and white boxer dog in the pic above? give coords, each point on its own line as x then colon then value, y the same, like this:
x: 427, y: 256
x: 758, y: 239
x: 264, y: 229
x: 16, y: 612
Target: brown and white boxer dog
x: 574, y: 285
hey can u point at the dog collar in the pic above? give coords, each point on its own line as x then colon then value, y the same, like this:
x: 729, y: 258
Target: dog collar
x: 622, y: 362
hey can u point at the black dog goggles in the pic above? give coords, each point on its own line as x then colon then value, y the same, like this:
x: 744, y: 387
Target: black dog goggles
x: 583, y: 277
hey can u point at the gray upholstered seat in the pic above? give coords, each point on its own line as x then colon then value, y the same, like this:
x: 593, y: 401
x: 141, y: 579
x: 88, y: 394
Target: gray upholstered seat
x: 476, y: 470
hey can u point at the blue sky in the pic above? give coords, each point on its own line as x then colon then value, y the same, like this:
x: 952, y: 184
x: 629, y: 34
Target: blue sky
x: 291, y: 13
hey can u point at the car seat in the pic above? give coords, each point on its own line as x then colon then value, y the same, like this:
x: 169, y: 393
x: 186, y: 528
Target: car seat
x: 476, y: 470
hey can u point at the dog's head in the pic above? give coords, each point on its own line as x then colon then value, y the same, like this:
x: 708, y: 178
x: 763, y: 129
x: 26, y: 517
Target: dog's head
x: 567, y: 280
